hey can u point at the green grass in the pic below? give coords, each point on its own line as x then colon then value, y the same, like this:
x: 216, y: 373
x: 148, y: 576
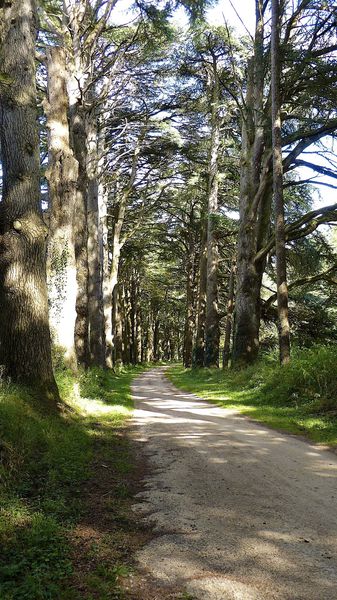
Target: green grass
x: 300, y: 398
x: 45, y: 463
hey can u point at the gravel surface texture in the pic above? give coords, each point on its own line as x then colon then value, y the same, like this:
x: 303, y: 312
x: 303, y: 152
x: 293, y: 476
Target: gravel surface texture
x: 239, y: 511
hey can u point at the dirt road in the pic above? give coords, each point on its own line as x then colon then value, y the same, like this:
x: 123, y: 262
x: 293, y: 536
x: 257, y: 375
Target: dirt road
x: 240, y: 511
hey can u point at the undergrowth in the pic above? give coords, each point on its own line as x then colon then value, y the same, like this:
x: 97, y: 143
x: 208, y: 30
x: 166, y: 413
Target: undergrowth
x: 45, y: 462
x: 299, y: 398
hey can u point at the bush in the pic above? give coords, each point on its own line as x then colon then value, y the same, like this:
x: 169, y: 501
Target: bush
x: 310, y: 378
x: 299, y: 397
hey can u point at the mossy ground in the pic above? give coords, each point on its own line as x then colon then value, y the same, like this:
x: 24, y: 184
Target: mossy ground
x: 300, y: 398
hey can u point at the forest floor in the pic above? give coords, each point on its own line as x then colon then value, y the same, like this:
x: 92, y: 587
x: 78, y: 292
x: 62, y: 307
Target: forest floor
x: 109, y: 533
x: 187, y: 500
x: 238, y: 511
x: 67, y: 486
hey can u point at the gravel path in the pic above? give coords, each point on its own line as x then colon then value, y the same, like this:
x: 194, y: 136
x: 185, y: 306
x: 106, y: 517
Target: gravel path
x: 239, y: 511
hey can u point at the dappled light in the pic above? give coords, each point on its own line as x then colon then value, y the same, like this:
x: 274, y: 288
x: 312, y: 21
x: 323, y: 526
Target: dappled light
x: 233, y: 502
x: 96, y: 408
x: 160, y: 173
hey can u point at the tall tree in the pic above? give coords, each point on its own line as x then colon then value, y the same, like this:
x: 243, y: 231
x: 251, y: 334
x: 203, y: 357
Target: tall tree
x: 308, y: 115
x: 75, y: 16
x: 254, y: 207
x: 62, y: 175
x: 229, y: 316
x: 212, y: 327
x: 24, y: 328
x: 281, y: 261
x: 205, y: 62
x: 79, y: 27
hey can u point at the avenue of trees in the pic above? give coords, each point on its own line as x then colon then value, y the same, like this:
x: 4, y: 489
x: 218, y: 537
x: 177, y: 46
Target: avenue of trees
x: 157, y: 185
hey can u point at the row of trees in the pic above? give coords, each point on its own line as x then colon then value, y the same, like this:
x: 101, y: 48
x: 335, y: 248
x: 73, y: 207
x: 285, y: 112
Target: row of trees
x: 151, y: 140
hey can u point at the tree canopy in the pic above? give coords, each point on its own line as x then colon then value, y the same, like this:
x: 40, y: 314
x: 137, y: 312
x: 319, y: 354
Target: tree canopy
x: 155, y: 167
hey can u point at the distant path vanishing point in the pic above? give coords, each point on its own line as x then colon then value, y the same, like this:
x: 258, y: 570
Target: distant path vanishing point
x: 240, y: 511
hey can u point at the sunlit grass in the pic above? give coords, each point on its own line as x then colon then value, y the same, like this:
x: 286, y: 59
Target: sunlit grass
x: 44, y: 462
x: 300, y: 398
x: 98, y: 408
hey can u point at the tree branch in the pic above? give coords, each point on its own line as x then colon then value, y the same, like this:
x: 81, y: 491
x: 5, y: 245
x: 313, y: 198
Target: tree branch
x: 302, y: 281
x: 320, y: 169
x: 302, y: 227
x: 307, y: 138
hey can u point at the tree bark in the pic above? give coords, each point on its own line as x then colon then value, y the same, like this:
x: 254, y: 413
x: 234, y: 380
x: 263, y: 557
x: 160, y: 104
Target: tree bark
x: 104, y: 260
x: 199, y: 348
x: 229, y: 317
x: 149, y: 339
x: 138, y: 325
x: 62, y: 176
x: 117, y: 244
x: 77, y: 120
x: 133, y: 314
x: 212, y: 329
x: 95, y: 271
x: 109, y: 285
x: 189, y: 319
x: 156, y: 340
x: 25, y: 345
x: 118, y: 328
x: 78, y: 72
x: 127, y: 330
x: 255, y: 203
x: 280, y: 238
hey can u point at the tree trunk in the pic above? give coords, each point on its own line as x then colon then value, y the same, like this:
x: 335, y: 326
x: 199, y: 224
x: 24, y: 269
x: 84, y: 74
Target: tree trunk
x: 149, y: 339
x: 118, y: 329
x: 62, y: 176
x: 281, y: 262
x: 104, y: 260
x: 95, y: 272
x: 166, y: 344
x: 108, y: 289
x: 125, y: 323
x: 133, y: 315
x: 77, y: 76
x: 199, y: 348
x: 173, y: 352
x: 128, y: 335
x: 229, y: 317
x: 81, y: 237
x: 255, y: 202
x: 25, y: 345
x: 139, y: 337
x: 189, y: 320
x: 117, y: 244
x: 156, y: 340
x: 212, y: 329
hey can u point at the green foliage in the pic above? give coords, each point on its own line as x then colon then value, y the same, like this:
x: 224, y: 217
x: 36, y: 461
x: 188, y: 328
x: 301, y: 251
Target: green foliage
x: 105, y: 581
x: 97, y: 381
x: 313, y: 321
x: 36, y: 559
x: 299, y: 397
x: 44, y: 463
x: 196, y: 8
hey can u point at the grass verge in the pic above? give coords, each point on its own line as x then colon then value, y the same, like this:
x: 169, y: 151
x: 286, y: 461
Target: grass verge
x: 300, y: 398
x: 63, y: 487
